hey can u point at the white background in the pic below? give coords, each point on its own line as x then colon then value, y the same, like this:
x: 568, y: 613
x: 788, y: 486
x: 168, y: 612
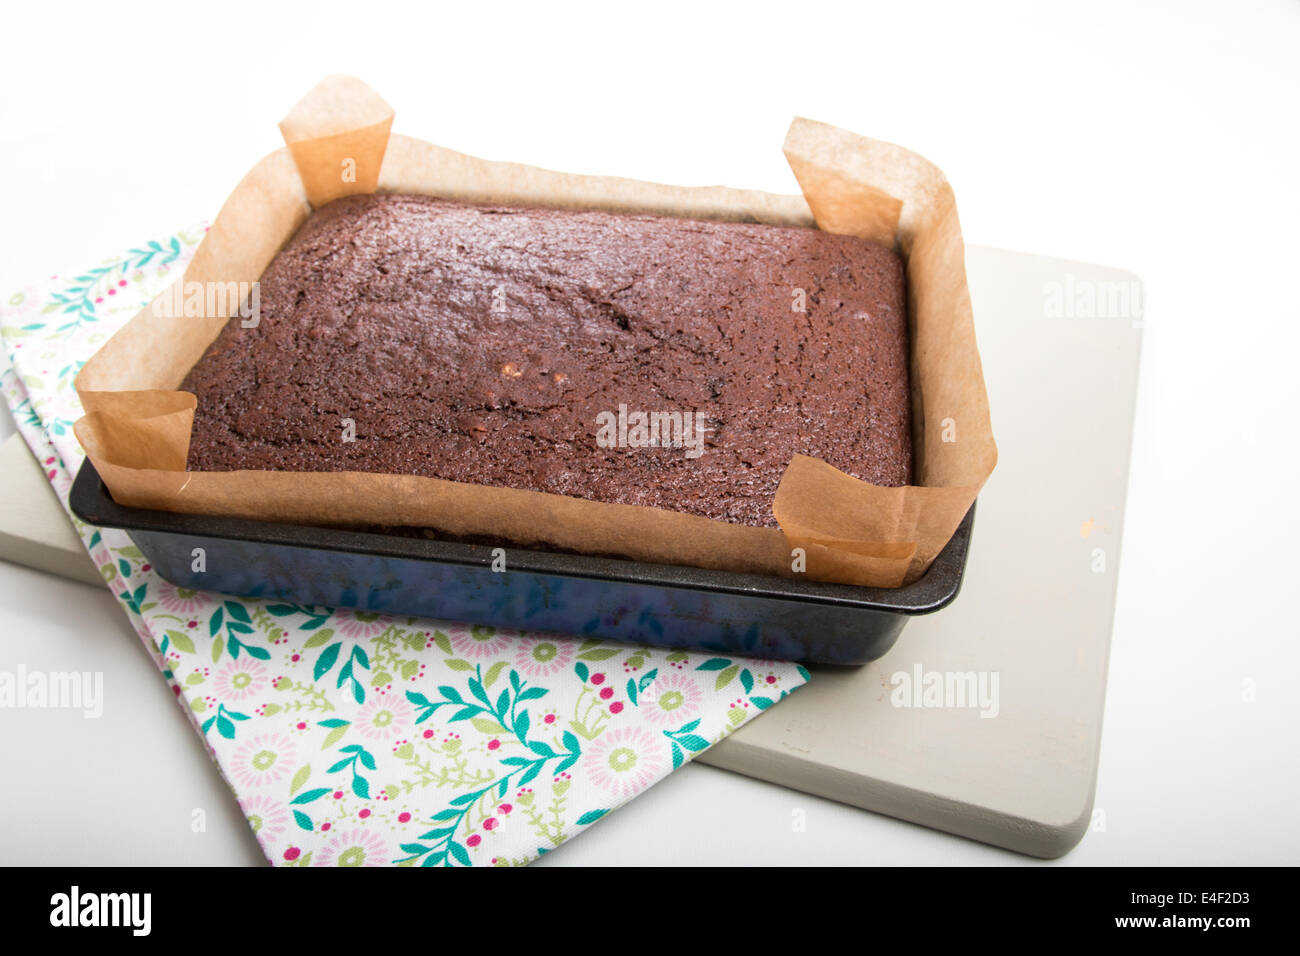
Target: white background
x: 1162, y: 138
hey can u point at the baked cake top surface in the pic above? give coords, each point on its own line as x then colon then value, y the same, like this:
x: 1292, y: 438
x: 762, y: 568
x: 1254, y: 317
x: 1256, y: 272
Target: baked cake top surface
x: 515, y: 347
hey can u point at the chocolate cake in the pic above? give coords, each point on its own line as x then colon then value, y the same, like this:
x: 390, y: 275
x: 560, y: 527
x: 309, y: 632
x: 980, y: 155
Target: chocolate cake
x: 638, y: 359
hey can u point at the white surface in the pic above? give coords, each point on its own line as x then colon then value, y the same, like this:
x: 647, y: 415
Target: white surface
x: 1162, y: 139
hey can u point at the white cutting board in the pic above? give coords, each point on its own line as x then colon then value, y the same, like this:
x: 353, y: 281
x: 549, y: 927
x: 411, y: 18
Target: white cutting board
x: 1036, y: 606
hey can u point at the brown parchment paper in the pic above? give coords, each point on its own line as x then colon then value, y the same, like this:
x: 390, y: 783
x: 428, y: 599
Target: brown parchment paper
x: 137, y: 426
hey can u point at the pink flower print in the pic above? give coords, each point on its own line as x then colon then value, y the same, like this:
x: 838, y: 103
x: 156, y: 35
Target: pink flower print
x: 543, y: 656
x: 627, y: 760
x: 241, y: 679
x: 671, y: 700
x: 263, y: 760
x: 767, y: 673
x: 183, y: 601
x: 361, y: 625
x: 268, y: 817
x: 479, y: 643
x: 383, y: 717
x: 356, y: 847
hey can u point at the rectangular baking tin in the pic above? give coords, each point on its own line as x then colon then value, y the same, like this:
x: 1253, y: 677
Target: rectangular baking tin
x: 657, y: 604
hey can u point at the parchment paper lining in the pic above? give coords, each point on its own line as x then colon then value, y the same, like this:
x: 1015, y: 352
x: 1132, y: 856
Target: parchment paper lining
x: 137, y: 427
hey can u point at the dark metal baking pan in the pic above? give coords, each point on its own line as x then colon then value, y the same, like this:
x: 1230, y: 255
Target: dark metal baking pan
x: 656, y: 604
